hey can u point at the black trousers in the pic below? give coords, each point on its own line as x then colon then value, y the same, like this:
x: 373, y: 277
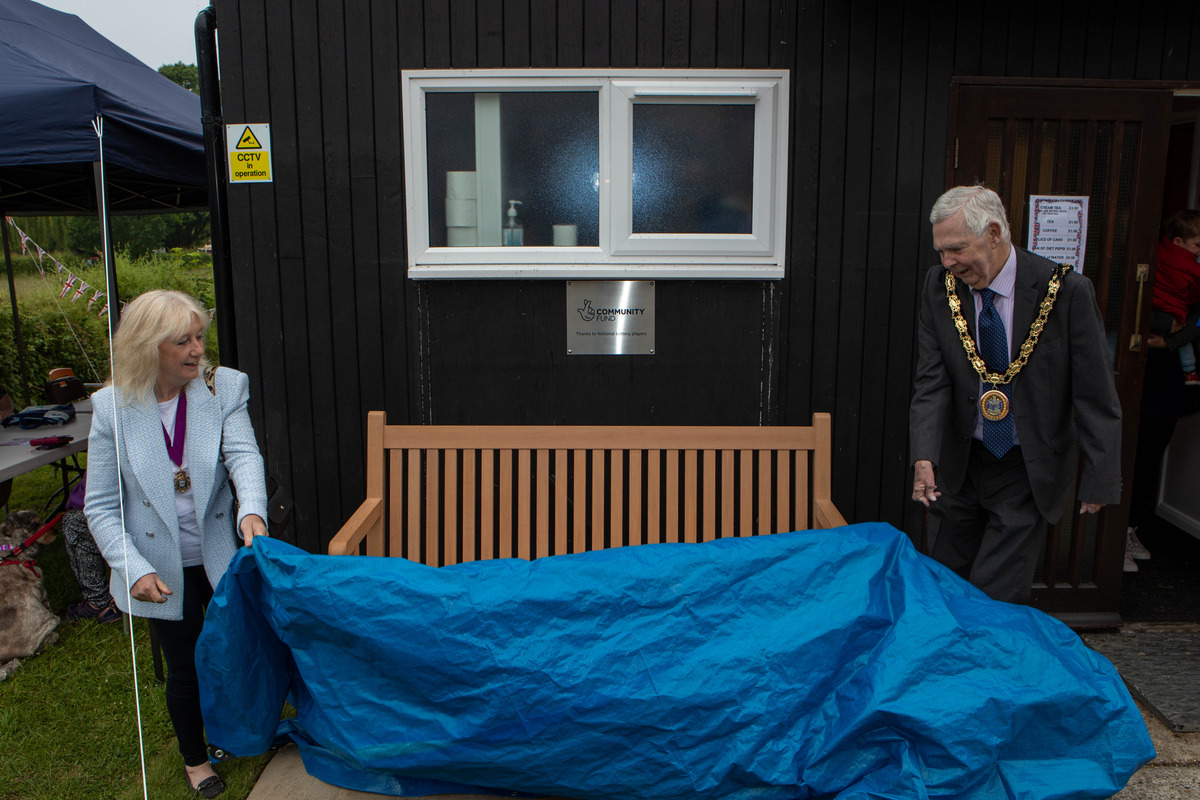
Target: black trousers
x: 178, y: 641
x: 990, y: 530
x: 88, y: 565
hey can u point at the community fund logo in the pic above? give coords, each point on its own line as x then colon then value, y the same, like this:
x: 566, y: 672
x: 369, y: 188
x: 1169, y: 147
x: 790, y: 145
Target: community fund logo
x: 589, y: 314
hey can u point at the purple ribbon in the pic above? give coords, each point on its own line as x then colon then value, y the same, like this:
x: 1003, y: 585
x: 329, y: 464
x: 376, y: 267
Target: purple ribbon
x: 175, y: 449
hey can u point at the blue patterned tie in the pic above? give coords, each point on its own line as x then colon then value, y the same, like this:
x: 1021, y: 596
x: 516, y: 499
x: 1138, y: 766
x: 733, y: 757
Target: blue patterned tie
x: 993, y: 345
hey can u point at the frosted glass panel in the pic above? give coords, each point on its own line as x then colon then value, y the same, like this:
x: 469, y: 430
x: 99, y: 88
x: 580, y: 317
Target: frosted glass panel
x: 693, y: 168
x: 549, y: 145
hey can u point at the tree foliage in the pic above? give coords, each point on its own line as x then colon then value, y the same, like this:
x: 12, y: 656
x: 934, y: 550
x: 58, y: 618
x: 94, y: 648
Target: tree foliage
x: 49, y: 232
x: 139, y: 235
x: 186, y: 75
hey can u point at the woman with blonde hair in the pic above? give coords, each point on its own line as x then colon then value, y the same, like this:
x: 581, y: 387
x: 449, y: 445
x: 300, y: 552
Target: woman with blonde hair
x: 170, y: 439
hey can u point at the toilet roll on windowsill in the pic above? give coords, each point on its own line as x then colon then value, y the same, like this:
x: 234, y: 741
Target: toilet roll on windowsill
x: 566, y: 236
x: 461, y: 186
x: 462, y: 237
x: 460, y: 213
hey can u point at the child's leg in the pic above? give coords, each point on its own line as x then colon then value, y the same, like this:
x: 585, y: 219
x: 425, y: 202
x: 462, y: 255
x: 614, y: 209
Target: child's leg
x: 1187, y: 358
x: 1161, y: 322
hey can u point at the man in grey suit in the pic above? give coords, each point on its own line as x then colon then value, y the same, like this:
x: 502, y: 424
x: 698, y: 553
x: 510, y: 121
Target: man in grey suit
x: 1002, y: 405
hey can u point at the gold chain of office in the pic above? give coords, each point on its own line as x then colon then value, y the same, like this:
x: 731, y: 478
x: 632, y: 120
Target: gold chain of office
x: 1035, y: 330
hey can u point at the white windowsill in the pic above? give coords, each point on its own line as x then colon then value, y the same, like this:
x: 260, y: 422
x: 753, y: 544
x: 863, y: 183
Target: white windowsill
x: 626, y: 272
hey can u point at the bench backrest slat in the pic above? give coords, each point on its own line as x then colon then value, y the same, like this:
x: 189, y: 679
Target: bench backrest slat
x: 451, y: 494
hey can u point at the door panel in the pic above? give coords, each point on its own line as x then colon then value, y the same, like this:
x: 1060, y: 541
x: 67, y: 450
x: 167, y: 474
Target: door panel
x: 1110, y: 145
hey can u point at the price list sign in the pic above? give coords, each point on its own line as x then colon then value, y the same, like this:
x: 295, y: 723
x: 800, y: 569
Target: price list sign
x: 1058, y: 228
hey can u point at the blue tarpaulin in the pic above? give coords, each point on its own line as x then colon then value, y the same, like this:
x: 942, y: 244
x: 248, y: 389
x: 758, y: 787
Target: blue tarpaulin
x: 814, y: 664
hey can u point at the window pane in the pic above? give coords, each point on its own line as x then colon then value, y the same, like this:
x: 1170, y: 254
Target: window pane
x: 693, y: 168
x: 549, y: 145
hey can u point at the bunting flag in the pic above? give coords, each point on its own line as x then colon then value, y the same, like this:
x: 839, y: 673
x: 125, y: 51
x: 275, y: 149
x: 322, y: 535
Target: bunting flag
x: 211, y: 312
x: 70, y: 283
x: 103, y: 311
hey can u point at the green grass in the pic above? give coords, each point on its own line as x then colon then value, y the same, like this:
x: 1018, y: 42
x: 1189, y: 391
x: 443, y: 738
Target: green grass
x: 68, y: 717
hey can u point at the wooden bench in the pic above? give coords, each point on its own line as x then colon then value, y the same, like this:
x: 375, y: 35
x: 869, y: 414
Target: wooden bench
x: 444, y: 494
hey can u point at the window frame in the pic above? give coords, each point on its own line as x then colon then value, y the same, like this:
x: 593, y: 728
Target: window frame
x: 621, y: 254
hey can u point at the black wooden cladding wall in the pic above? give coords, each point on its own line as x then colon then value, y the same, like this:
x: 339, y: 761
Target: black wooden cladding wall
x: 329, y: 326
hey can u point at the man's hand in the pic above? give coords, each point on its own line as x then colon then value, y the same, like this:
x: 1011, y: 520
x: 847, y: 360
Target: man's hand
x: 149, y: 589
x: 924, y: 485
x: 1090, y: 508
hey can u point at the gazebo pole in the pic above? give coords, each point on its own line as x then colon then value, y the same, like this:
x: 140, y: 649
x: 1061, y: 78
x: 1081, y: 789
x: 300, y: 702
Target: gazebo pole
x: 110, y: 261
x: 22, y: 395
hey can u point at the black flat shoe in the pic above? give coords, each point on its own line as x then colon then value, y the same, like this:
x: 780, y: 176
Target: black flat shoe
x: 210, y: 787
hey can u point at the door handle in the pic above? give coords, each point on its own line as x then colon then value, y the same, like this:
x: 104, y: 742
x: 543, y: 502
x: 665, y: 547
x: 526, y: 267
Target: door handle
x: 1143, y: 275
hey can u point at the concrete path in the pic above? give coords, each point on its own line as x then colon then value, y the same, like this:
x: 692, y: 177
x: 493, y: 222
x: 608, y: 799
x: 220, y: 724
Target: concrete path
x: 1173, y: 775
x: 285, y: 779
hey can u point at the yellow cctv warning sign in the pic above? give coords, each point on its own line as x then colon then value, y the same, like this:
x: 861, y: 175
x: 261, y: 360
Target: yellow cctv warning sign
x: 249, y: 152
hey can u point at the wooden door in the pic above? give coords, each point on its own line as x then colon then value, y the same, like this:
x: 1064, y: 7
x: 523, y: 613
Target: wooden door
x: 1108, y: 142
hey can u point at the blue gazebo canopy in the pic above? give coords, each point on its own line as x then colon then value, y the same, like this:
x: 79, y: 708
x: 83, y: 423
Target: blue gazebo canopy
x: 57, y: 75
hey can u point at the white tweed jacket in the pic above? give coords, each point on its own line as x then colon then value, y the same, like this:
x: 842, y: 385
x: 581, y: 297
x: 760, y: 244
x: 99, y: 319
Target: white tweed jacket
x: 136, y: 483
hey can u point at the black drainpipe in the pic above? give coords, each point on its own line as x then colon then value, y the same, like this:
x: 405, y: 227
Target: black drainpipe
x: 214, y: 152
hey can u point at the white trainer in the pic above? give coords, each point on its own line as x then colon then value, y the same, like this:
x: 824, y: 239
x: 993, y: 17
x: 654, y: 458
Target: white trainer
x: 1134, y: 547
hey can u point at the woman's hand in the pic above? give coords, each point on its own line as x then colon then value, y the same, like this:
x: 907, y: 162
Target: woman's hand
x: 149, y: 589
x: 252, y: 525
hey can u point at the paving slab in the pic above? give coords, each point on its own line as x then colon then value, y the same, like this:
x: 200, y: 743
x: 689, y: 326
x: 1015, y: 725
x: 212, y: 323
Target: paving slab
x: 285, y: 779
x: 1162, y: 783
x: 1160, y: 664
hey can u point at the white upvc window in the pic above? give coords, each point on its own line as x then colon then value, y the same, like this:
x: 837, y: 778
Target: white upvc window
x: 600, y: 174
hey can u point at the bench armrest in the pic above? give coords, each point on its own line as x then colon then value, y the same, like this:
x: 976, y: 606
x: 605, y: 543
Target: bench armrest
x: 826, y: 514
x: 366, y: 519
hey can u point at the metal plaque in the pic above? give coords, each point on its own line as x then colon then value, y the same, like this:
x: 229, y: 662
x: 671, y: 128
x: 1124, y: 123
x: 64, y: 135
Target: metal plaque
x: 610, y: 318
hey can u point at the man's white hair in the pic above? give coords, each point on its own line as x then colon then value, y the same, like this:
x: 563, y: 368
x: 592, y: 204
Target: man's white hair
x: 980, y: 206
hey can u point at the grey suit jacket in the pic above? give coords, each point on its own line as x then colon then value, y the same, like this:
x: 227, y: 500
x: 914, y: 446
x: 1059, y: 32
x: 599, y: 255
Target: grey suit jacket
x: 1062, y: 400
x: 126, y: 452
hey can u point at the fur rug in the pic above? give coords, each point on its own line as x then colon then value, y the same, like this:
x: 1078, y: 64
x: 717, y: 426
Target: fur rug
x: 26, y: 622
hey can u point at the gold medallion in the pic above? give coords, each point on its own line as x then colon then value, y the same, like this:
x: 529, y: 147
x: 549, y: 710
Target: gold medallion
x: 993, y: 405
x: 182, y: 481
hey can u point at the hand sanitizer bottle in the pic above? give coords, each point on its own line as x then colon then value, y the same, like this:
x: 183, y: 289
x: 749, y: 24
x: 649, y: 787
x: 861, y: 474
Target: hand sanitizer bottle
x: 514, y: 231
